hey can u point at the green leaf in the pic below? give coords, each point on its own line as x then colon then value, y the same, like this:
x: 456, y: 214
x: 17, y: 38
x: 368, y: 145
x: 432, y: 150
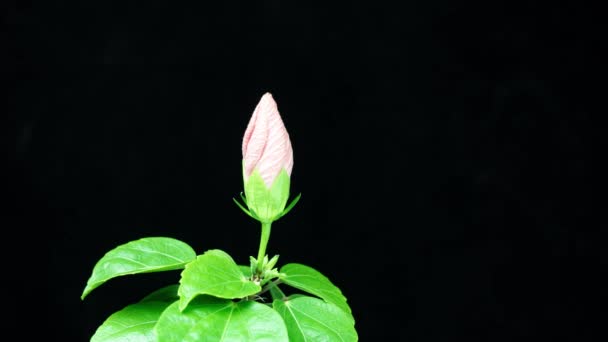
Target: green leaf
x: 312, y: 281
x: 311, y: 319
x: 210, y: 319
x: 134, y: 323
x: 151, y: 254
x: 173, y: 324
x: 165, y: 294
x: 246, y: 270
x: 214, y: 273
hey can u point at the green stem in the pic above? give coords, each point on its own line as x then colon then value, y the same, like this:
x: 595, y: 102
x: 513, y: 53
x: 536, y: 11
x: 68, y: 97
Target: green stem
x: 263, y: 242
x: 270, y: 286
x: 275, y: 292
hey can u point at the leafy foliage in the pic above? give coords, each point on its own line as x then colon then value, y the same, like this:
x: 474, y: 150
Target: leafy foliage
x: 214, y: 273
x: 152, y: 254
x: 218, y: 300
x: 312, y: 281
x: 214, y: 319
x: 307, y: 318
x: 133, y: 323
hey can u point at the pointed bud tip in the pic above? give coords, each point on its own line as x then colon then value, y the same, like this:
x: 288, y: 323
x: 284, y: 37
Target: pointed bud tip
x: 267, y: 97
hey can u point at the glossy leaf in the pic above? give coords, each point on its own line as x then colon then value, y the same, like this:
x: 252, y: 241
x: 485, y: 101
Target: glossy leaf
x: 210, y: 319
x: 309, y: 280
x: 134, y: 323
x: 174, y: 325
x: 312, y: 319
x: 151, y: 254
x: 214, y: 273
x: 246, y: 270
x: 164, y: 294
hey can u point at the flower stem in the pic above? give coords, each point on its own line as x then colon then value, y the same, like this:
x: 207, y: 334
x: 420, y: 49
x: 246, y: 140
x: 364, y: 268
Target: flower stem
x: 263, y: 242
x: 269, y: 286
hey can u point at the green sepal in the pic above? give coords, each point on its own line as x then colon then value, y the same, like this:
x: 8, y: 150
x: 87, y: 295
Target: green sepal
x: 243, y: 197
x: 252, y: 215
x: 290, y: 206
x: 267, y: 272
x: 270, y: 264
x: 267, y: 204
x: 253, y: 265
x: 279, y: 192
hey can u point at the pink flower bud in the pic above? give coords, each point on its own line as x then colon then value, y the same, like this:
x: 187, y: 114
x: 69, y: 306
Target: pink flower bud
x: 266, y: 144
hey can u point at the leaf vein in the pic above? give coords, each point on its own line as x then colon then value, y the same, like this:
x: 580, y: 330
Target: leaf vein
x: 320, y: 322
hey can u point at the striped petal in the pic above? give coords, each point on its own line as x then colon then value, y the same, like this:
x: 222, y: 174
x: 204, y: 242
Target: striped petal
x: 266, y: 143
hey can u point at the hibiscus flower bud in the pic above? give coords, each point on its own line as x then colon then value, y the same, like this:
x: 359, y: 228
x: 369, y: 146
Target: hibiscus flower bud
x: 267, y: 162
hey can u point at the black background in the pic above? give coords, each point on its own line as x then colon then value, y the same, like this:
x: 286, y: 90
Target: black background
x: 442, y: 149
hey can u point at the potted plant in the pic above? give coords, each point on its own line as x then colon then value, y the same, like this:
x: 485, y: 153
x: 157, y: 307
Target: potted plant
x: 217, y: 299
